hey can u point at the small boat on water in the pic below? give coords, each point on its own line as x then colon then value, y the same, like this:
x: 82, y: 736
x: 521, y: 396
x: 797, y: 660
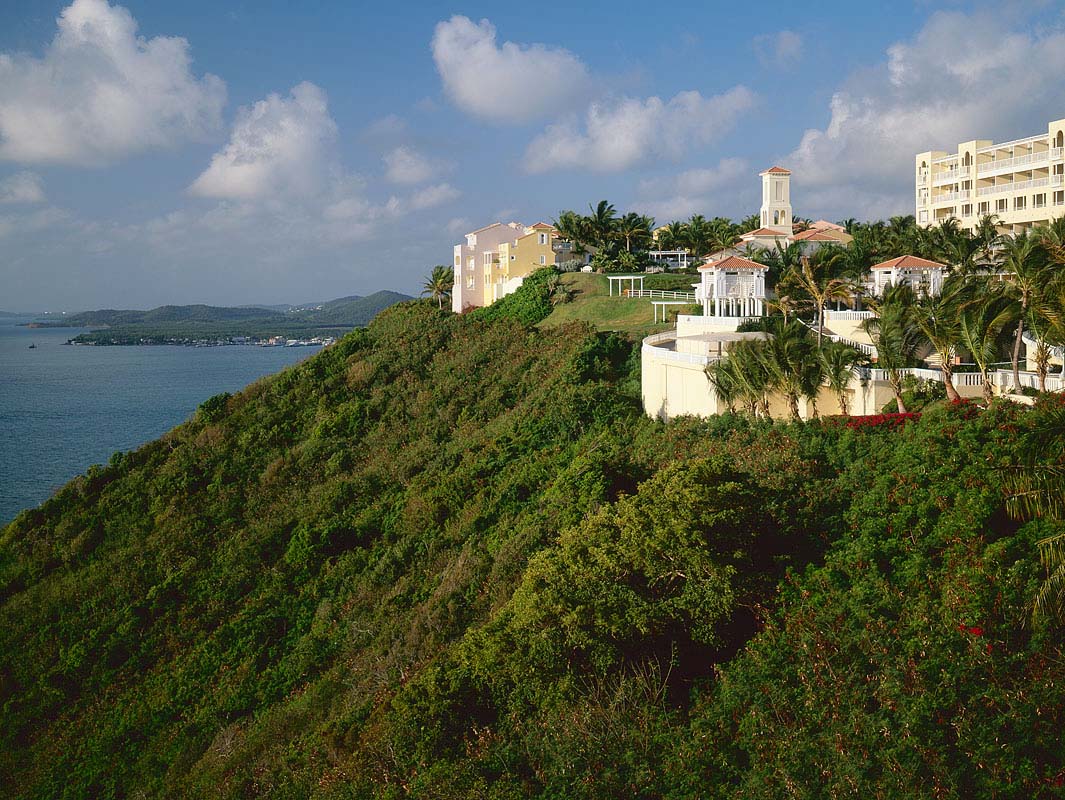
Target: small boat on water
x: 33, y: 346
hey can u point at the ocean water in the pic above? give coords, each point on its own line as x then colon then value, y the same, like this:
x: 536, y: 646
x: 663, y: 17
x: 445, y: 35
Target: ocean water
x: 64, y: 408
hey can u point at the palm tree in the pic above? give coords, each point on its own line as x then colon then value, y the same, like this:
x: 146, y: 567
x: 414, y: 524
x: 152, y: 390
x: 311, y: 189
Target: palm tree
x: 439, y: 284
x: 698, y: 234
x: 817, y: 282
x: 748, y: 374
x: 981, y: 326
x: 793, y: 364
x: 895, y: 336
x: 602, y: 223
x: 838, y: 361
x: 1025, y: 271
x: 634, y: 228
x: 723, y: 380
x: 574, y: 228
x: 722, y: 234
x: 672, y: 237
x: 937, y: 317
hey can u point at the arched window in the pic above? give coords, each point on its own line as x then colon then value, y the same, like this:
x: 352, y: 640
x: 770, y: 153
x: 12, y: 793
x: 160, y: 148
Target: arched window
x: 776, y: 217
x: 1059, y: 140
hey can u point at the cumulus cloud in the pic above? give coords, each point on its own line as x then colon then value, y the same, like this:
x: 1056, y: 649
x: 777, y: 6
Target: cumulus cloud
x: 406, y: 166
x: 100, y: 92
x: 781, y: 49
x: 278, y: 146
x: 433, y: 196
x: 620, y: 134
x: 509, y: 83
x: 696, y: 191
x: 22, y: 188
x: 881, y: 118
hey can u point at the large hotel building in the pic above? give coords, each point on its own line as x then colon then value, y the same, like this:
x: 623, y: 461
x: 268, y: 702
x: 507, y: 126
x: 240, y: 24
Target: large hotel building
x: 1022, y: 182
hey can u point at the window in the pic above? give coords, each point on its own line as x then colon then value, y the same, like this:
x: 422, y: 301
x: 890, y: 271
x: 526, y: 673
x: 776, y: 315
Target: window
x: 924, y: 216
x: 1001, y: 206
x: 967, y: 210
x: 1039, y: 201
x: 778, y: 190
x: 543, y: 260
x: 1020, y: 203
x: 470, y: 282
x: 1059, y: 198
x: 543, y: 238
x: 487, y: 259
x: 984, y: 209
x: 458, y: 261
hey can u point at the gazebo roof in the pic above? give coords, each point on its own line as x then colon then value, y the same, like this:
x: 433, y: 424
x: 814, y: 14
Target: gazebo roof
x: 907, y: 262
x: 733, y: 262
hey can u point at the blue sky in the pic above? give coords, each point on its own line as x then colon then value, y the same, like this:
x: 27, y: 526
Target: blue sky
x: 272, y: 152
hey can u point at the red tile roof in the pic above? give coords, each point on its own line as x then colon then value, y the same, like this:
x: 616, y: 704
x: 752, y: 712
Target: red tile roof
x: 734, y: 262
x: 543, y: 225
x: 907, y: 262
x: 776, y: 171
x: 764, y: 232
x: 815, y: 235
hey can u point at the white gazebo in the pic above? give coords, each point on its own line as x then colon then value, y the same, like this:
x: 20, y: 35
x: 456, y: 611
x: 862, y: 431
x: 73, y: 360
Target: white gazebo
x: 732, y: 288
x: 923, y: 276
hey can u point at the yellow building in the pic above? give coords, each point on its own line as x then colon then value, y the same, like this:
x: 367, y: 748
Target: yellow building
x: 1022, y: 181
x: 496, y: 259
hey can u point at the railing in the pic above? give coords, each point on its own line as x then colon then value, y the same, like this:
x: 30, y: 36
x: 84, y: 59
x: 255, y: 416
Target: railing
x: 650, y: 348
x: 1013, y: 163
x: 959, y: 378
x: 1030, y: 380
x: 952, y: 175
x: 946, y: 198
x: 1016, y: 186
x: 660, y: 293
x: 853, y: 316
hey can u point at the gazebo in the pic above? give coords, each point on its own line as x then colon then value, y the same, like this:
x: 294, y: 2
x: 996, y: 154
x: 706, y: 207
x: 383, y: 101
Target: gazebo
x: 733, y: 288
x: 923, y: 276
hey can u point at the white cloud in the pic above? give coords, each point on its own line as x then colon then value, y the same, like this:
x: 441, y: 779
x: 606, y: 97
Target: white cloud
x: 509, y: 83
x: 625, y: 132
x: 433, y: 196
x: 21, y: 188
x: 881, y: 118
x: 278, y: 146
x: 781, y: 49
x: 406, y: 166
x: 708, y: 190
x: 458, y: 225
x: 100, y: 92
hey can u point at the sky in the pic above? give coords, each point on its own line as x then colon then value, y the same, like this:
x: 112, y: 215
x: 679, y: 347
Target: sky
x: 273, y: 152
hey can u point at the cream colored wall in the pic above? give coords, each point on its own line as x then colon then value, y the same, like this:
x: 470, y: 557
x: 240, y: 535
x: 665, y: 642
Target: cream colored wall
x: 673, y: 389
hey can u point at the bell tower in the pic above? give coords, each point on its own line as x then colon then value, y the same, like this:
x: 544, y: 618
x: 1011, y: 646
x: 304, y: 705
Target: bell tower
x: 776, y: 200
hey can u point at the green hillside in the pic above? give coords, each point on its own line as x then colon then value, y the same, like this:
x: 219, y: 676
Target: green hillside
x: 449, y: 557
x: 354, y: 311
x: 592, y: 303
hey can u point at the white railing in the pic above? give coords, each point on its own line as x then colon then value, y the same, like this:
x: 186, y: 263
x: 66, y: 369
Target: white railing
x: 952, y: 175
x: 946, y: 198
x: 1016, y: 186
x: 1004, y: 380
x: 650, y: 348
x: 868, y: 349
x: 1013, y: 163
x: 854, y: 316
x: 1056, y: 153
x: 660, y: 293
x: 960, y: 379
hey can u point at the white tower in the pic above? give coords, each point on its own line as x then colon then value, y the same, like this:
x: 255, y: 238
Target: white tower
x: 776, y: 200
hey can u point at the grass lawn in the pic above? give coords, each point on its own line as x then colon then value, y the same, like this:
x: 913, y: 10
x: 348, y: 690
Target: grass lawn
x: 592, y: 304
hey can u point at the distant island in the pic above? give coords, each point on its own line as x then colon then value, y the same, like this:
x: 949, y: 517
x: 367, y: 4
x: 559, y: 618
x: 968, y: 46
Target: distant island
x: 203, y: 325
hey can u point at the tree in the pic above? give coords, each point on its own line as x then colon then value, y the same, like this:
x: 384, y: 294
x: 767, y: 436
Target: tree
x: 814, y: 278
x: 698, y: 236
x: 635, y: 229
x: 574, y: 228
x: 439, y: 284
x: 672, y: 236
x: 937, y: 317
x: 793, y: 364
x: 602, y: 224
x: 746, y: 375
x: 980, y: 327
x: 1024, y: 265
x: 895, y: 336
x: 838, y: 361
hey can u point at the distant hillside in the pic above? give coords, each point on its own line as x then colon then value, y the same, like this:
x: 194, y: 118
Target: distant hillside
x: 163, y: 315
x: 355, y: 311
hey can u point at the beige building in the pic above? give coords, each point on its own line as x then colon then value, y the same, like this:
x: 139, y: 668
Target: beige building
x: 1022, y: 181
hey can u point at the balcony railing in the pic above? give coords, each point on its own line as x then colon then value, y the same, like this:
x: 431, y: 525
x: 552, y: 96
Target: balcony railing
x: 951, y: 176
x: 1013, y: 163
x: 1017, y: 186
x: 951, y: 196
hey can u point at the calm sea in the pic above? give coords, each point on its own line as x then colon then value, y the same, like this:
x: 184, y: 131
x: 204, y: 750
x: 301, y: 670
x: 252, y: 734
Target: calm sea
x: 63, y: 408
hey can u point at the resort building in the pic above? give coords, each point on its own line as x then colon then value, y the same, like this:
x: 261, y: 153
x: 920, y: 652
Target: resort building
x: 495, y: 260
x: 731, y: 290
x: 1021, y: 181
x: 778, y: 228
